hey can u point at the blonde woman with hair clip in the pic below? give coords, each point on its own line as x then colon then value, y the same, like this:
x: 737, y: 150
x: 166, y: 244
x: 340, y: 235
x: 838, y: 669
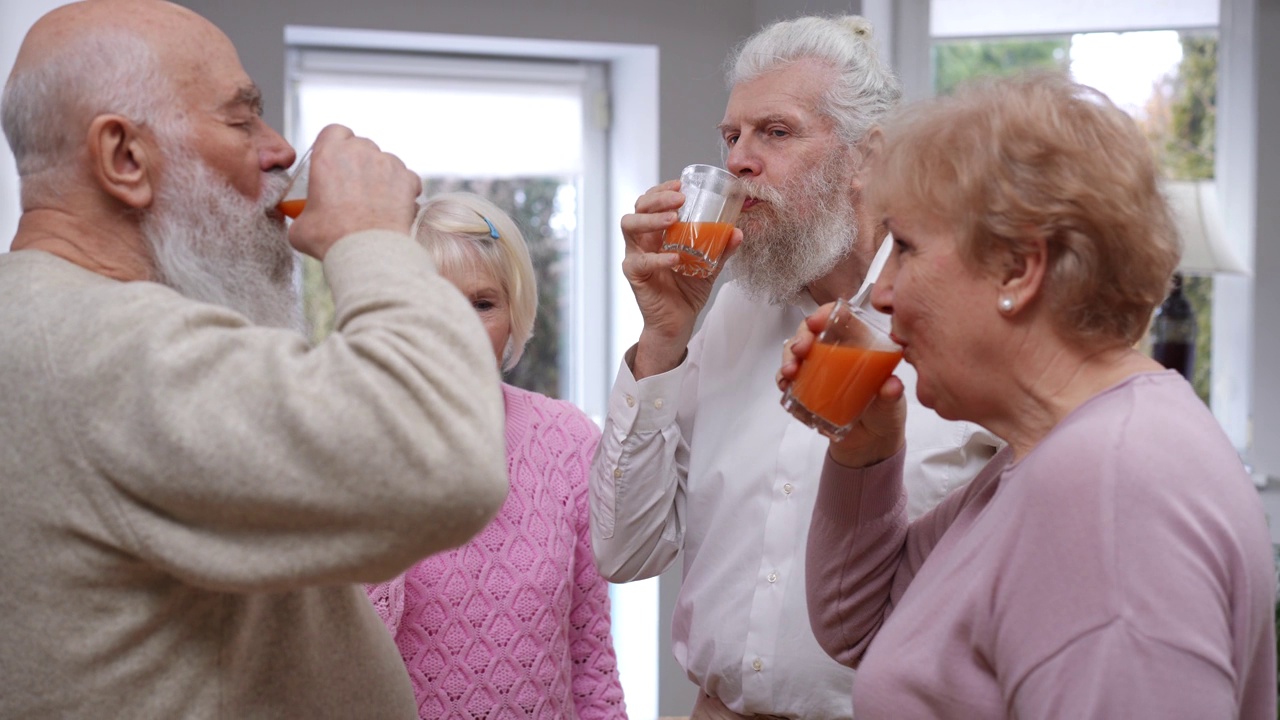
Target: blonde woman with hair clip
x: 514, y: 624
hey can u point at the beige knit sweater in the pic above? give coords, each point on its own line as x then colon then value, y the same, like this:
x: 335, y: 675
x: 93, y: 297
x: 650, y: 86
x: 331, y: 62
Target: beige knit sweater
x: 187, y: 501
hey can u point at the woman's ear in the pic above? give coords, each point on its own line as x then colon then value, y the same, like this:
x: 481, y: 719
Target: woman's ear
x: 1023, y: 274
x: 122, y: 160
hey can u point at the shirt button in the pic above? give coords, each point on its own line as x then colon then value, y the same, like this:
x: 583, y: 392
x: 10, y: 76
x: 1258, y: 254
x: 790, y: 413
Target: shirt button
x: 787, y: 488
x: 631, y: 402
x: 658, y: 403
x: 617, y: 473
x: 757, y: 664
x: 773, y: 577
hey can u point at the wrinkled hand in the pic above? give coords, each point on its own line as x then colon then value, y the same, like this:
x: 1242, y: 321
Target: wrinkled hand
x: 880, y: 431
x: 669, y: 302
x: 354, y: 186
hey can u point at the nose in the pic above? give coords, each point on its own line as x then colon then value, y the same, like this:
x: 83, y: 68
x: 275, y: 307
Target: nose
x: 743, y: 160
x: 882, y: 291
x: 276, y: 152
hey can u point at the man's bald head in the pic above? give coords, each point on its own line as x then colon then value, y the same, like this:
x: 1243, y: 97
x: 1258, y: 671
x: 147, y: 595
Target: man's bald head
x: 125, y: 57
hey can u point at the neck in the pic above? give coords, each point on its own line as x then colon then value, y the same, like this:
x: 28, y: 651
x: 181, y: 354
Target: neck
x: 1050, y: 381
x: 114, y: 248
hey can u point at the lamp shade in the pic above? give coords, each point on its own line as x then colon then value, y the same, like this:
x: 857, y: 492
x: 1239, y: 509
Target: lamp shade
x: 1195, y: 212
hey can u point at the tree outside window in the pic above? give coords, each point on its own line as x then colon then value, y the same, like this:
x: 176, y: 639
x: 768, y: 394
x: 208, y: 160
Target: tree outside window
x: 1178, y: 116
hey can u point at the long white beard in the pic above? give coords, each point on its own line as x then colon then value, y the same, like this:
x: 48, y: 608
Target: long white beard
x: 212, y: 244
x: 800, y: 233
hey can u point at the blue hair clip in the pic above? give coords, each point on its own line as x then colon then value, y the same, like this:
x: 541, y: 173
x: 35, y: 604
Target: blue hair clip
x: 493, y: 231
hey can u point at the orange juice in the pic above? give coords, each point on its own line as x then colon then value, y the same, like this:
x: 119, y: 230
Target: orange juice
x: 838, y: 382
x: 292, y: 208
x: 700, y: 244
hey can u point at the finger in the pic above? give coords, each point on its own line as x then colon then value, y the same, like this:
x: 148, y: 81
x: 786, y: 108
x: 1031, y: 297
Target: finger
x: 735, y: 240
x: 891, y: 391
x: 817, y: 320
x: 656, y: 201
x: 668, y: 185
x: 800, y: 344
x: 640, y: 223
x: 334, y: 132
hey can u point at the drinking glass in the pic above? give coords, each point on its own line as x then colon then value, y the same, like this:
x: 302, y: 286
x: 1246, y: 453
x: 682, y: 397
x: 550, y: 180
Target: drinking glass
x: 294, y: 198
x: 849, y: 361
x: 712, y: 200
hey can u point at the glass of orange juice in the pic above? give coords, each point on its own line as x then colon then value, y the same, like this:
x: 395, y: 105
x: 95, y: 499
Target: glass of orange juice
x: 294, y: 198
x: 712, y: 200
x: 849, y: 361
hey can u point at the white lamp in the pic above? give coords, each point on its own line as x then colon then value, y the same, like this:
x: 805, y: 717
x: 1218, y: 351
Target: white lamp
x: 1199, y: 222
x: 1204, y: 252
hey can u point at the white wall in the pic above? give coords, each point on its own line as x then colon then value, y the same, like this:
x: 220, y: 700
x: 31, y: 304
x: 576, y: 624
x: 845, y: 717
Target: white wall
x: 1248, y: 168
x: 15, y: 18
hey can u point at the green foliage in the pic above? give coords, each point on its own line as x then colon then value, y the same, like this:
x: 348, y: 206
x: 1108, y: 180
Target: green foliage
x: 531, y: 202
x: 958, y: 61
x: 1181, y: 122
x: 1187, y: 153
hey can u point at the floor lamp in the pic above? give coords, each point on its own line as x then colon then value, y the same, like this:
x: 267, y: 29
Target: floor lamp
x: 1204, y: 252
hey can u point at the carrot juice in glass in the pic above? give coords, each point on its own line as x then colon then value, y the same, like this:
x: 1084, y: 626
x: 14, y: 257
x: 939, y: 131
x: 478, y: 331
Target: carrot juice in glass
x: 712, y: 200
x: 294, y: 198
x: 849, y: 361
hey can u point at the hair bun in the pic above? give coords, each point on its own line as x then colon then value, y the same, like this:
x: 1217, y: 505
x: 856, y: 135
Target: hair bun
x: 858, y: 25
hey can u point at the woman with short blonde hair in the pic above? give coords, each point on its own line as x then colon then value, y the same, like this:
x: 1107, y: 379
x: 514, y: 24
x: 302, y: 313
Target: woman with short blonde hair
x: 464, y: 228
x: 516, y: 623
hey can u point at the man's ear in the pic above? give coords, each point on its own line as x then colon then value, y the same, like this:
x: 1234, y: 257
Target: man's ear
x: 1024, y: 271
x: 122, y: 160
x: 868, y: 153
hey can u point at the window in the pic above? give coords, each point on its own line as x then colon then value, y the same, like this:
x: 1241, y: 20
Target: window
x: 408, y: 91
x: 527, y: 134
x: 1165, y: 79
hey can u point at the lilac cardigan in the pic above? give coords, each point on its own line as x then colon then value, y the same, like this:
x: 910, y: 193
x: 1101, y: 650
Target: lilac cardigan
x: 1121, y: 569
x: 516, y: 622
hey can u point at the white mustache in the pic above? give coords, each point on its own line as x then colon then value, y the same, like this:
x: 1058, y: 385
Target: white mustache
x: 758, y: 191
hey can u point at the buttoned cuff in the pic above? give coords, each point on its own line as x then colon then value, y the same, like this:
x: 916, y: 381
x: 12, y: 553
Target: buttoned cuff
x: 648, y: 405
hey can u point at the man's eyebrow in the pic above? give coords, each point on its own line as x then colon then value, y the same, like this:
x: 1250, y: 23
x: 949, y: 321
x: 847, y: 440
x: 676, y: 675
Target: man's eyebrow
x: 248, y: 95
x: 759, y: 122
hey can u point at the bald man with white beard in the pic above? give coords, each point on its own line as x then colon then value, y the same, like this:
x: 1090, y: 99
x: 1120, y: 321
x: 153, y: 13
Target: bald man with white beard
x: 189, y: 492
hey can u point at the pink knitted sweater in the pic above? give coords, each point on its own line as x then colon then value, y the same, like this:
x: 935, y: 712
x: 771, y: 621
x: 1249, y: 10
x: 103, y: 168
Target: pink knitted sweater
x: 515, y: 624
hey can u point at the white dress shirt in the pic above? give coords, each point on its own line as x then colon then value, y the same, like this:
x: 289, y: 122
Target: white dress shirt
x: 704, y: 460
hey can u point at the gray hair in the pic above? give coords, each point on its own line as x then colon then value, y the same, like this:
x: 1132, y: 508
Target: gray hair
x: 865, y: 89
x: 45, y: 107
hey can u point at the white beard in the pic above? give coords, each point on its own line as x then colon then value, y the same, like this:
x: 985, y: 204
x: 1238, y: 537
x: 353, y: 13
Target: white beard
x: 212, y: 244
x: 800, y: 233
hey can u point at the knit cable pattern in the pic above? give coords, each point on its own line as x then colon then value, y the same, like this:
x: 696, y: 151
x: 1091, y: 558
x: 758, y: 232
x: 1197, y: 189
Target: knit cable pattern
x: 515, y: 624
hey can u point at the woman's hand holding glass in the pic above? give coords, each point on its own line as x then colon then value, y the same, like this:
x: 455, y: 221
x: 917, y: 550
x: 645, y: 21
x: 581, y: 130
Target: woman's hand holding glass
x: 879, y: 432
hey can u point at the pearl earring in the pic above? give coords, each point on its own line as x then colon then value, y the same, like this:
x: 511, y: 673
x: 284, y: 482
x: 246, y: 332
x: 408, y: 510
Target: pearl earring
x: 1006, y: 305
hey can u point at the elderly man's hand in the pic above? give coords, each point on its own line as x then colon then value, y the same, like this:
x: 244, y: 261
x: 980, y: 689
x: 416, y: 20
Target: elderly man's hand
x: 880, y: 431
x: 669, y: 302
x: 354, y: 186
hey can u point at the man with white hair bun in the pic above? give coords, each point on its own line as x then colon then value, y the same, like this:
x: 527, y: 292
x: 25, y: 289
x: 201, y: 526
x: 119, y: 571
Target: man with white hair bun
x: 697, y: 459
